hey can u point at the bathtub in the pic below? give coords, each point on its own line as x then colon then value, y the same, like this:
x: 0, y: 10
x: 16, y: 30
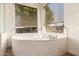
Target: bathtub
x: 35, y: 46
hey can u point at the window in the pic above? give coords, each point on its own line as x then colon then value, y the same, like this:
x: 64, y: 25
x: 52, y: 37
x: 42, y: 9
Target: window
x: 26, y: 19
x: 54, y: 17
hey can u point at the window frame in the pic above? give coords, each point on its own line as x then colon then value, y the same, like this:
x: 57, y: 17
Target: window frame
x: 15, y: 21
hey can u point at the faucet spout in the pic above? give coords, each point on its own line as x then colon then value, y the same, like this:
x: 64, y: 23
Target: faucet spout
x: 52, y: 37
x: 49, y: 37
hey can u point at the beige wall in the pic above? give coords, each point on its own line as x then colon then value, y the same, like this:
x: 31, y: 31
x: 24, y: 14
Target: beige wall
x: 71, y: 20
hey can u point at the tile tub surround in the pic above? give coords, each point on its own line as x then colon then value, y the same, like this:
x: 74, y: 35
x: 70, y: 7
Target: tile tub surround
x: 34, y: 47
x: 41, y: 36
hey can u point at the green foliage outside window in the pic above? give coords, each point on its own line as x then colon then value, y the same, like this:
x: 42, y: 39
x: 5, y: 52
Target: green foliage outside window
x: 49, y: 15
x: 21, y: 9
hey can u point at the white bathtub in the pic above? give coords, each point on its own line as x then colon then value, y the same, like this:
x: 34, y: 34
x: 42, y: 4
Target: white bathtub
x: 33, y: 46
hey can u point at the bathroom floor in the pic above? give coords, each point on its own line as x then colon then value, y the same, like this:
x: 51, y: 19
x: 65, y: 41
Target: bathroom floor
x: 8, y: 52
x: 68, y: 54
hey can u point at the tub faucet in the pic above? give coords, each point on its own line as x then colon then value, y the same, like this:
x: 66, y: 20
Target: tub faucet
x: 52, y: 37
x: 49, y: 37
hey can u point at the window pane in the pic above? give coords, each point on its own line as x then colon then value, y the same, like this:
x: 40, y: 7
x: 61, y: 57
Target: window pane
x: 55, y: 17
x: 26, y: 19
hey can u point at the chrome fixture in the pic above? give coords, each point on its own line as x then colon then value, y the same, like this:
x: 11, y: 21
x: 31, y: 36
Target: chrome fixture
x: 51, y: 37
